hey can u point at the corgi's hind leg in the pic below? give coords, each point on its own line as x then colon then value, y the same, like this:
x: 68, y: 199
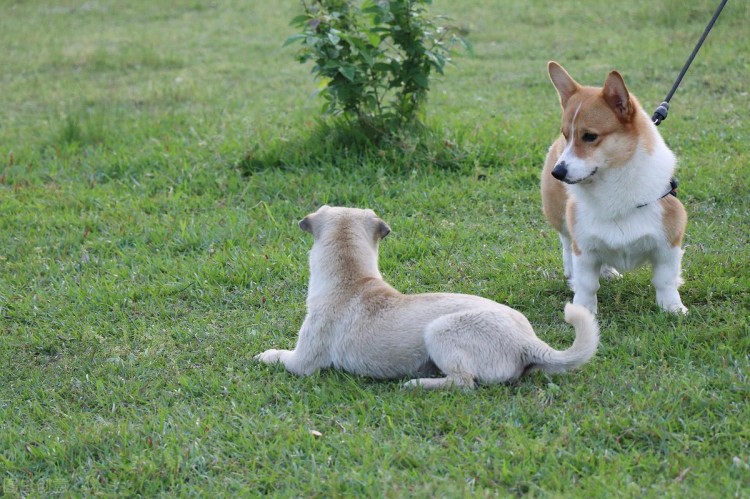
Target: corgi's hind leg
x: 567, y: 256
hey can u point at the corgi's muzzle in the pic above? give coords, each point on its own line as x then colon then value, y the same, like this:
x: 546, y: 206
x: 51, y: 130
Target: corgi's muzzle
x: 560, y: 172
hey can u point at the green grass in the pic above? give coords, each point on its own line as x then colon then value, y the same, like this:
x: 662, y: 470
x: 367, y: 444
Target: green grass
x: 154, y: 158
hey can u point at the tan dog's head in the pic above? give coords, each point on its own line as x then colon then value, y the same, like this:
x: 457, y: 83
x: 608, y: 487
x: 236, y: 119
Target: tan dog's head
x: 345, y: 223
x: 601, y: 125
x: 346, y: 244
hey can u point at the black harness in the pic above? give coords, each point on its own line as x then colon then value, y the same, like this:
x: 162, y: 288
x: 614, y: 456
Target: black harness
x: 672, y: 190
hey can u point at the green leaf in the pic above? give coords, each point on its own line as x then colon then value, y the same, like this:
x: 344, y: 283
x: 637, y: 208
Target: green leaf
x: 374, y: 5
x: 348, y: 71
x: 421, y: 80
x: 371, y: 102
x: 334, y: 37
x: 299, y: 20
x: 381, y: 67
x: 294, y: 38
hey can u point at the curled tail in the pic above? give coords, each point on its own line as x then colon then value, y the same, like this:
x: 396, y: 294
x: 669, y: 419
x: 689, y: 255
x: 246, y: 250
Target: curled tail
x: 547, y: 359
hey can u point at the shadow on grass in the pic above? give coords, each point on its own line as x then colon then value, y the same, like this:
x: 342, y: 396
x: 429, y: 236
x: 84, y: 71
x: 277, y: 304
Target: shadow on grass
x: 341, y: 144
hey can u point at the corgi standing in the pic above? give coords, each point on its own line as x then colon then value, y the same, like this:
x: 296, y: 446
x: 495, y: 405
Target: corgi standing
x: 606, y: 188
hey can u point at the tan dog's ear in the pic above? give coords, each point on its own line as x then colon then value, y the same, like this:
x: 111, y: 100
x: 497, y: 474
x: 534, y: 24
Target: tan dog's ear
x: 306, y: 224
x: 566, y: 86
x: 617, y: 97
x: 383, y: 229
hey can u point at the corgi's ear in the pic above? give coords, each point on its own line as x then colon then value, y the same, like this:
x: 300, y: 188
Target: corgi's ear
x: 617, y: 97
x: 566, y: 86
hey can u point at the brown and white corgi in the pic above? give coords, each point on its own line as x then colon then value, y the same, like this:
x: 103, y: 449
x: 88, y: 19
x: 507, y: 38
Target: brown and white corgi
x: 605, y: 189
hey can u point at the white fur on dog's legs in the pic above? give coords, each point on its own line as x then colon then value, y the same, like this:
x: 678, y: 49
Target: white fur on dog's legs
x: 274, y: 356
x: 271, y: 356
x: 292, y: 361
x: 586, y: 280
x: 567, y: 256
x: 566, y: 241
x: 308, y: 355
x: 437, y: 383
x: 667, y: 279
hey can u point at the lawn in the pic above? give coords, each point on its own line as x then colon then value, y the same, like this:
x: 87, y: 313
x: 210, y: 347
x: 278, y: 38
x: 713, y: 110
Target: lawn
x: 154, y: 159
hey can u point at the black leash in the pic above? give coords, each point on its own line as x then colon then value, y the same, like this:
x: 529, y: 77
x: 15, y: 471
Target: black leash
x: 661, y: 112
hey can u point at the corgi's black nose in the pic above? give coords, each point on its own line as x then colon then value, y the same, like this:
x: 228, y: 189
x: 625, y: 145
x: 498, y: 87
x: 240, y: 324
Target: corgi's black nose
x: 560, y: 170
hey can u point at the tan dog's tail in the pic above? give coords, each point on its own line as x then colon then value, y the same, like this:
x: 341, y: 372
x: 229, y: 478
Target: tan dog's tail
x: 587, y: 339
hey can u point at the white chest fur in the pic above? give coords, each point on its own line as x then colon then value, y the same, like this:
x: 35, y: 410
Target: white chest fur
x: 623, y: 242
x: 617, y: 216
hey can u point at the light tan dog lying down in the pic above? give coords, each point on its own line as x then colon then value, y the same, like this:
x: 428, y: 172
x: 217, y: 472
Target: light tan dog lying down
x: 357, y: 322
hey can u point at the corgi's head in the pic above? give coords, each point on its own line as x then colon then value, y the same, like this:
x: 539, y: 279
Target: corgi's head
x: 602, y: 126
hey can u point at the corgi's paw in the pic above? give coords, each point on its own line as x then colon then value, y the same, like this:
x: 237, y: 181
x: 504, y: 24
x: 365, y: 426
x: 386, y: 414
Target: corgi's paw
x: 609, y: 273
x: 676, y: 308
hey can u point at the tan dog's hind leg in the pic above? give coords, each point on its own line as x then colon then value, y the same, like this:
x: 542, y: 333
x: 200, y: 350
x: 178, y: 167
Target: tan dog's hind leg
x: 438, y: 383
x: 475, y: 346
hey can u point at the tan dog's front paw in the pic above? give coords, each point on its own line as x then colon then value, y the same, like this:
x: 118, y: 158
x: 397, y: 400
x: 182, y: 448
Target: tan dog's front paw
x: 269, y: 356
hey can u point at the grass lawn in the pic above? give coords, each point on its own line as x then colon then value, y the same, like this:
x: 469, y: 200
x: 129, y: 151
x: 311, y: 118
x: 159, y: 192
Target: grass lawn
x: 154, y: 159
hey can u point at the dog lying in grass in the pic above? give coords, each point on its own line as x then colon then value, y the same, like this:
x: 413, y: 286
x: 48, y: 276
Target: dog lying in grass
x: 357, y: 322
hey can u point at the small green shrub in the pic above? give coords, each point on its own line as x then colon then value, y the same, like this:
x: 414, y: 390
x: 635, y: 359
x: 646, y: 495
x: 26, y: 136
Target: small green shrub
x: 374, y: 58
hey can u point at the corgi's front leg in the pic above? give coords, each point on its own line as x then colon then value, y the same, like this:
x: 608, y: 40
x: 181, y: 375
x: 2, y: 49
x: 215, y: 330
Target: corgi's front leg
x: 667, y: 267
x: 586, y: 268
x: 567, y: 256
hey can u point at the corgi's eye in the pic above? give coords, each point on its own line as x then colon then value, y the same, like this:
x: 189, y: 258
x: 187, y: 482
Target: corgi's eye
x: 589, y: 137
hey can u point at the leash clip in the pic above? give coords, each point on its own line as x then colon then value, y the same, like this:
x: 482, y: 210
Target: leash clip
x: 661, y: 113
